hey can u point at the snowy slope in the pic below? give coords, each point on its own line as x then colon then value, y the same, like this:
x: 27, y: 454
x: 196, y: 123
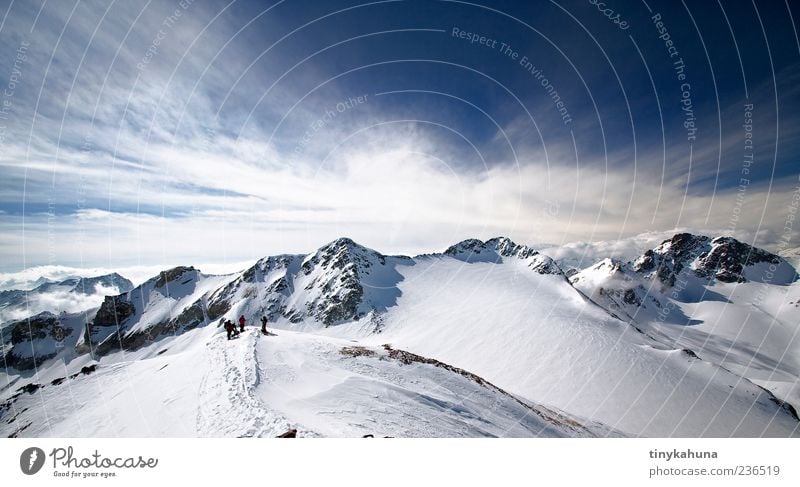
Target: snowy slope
x: 203, y: 385
x: 536, y: 336
x: 731, y: 304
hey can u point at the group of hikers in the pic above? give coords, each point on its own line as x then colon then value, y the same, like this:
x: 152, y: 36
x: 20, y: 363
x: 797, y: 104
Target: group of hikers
x: 230, y: 327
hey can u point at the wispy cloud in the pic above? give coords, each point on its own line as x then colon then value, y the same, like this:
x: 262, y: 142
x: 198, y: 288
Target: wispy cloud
x: 135, y: 142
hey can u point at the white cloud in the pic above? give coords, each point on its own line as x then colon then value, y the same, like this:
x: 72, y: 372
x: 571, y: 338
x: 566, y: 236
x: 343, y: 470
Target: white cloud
x: 172, y: 177
x: 56, y: 302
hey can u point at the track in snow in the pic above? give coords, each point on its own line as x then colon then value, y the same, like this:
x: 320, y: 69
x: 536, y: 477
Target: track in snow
x: 228, y: 405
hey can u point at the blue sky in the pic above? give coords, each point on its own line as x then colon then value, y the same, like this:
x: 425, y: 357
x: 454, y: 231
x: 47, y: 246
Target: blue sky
x: 235, y: 130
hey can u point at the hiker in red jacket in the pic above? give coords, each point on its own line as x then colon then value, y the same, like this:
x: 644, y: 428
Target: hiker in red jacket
x: 241, y: 323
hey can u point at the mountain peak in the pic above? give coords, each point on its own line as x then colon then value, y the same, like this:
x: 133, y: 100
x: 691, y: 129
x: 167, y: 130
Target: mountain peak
x: 507, y: 248
x: 112, y: 280
x: 343, y: 242
x: 723, y: 258
x: 345, y: 245
x: 682, y: 243
x: 473, y: 249
x: 170, y: 275
x: 465, y: 246
x: 339, y: 247
x: 728, y: 259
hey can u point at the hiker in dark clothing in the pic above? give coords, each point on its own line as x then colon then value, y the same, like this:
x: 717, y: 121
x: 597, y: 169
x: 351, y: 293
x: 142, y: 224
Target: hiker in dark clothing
x: 241, y: 323
x: 233, y: 329
x: 264, y: 325
x: 229, y: 328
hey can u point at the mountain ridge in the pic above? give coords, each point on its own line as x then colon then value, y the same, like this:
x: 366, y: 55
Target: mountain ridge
x: 497, y: 309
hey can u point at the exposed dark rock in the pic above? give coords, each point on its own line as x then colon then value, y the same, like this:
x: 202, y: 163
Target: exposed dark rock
x: 647, y: 262
x: 545, y: 265
x: 784, y: 405
x: 690, y: 353
x: 30, y: 388
x: 189, y: 318
x: 34, y: 328
x: 218, y: 307
x: 471, y: 245
x: 102, y: 335
x: 34, y: 340
x: 674, y: 256
x: 507, y: 248
x: 16, y: 432
x: 357, y: 351
x: 723, y: 258
x: 630, y: 297
x: 339, y: 266
x: 109, y: 344
x: 292, y: 433
x: 728, y: 257
x: 86, y: 370
x: 172, y: 274
x: 113, y: 311
x: 249, y: 275
x: 475, y: 250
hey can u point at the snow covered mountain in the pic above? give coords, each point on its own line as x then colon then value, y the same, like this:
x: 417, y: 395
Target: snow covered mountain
x: 171, y: 303
x: 730, y: 303
x: 69, y: 295
x: 340, y: 282
x: 31, y: 342
x: 484, y: 339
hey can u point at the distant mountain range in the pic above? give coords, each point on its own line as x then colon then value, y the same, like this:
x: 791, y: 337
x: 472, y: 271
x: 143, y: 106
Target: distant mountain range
x: 695, y: 337
x: 71, y: 295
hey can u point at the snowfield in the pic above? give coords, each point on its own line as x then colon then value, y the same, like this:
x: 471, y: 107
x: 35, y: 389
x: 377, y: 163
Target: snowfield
x: 485, y: 339
x: 256, y: 385
x: 536, y: 336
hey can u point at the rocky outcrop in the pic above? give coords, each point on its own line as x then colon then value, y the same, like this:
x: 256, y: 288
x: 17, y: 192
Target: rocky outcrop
x: 33, y: 340
x: 334, y: 286
x: 671, y: 258
x: 493, y: 250
x: 172, y: 275
x: 499, y: 248
x: 723, y: 258
x: 728, y: 257
x: 507, y: 248
x: 113, y: 325
x: 114, y: 311
x: 269, y: 282
x: 680, y: 268
x: 542, y: 264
